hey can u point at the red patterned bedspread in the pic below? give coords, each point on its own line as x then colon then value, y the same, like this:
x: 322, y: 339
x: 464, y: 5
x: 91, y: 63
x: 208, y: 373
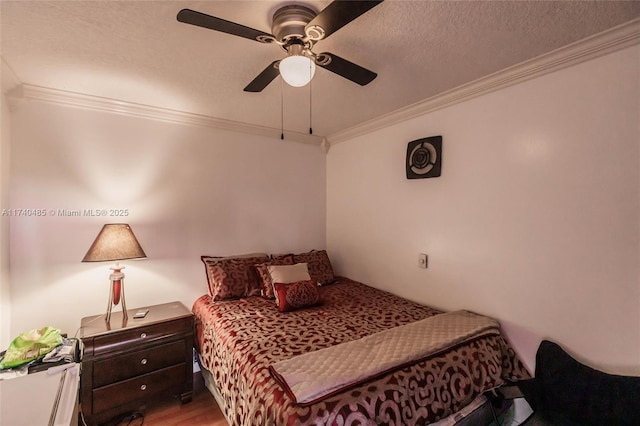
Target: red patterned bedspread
x: 239, y: 339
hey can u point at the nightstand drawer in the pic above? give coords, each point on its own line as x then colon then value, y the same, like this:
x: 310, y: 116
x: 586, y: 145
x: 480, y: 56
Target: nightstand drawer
x: 140, y: 335
x: 123, y: 367
x: 138, y: 388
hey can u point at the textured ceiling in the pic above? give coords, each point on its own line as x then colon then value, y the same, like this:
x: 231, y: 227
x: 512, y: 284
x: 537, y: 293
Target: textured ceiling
x: 136, y: 51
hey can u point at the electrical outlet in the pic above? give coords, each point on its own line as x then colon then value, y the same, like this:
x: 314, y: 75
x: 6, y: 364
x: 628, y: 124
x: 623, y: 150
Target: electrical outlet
x: 423, y: 260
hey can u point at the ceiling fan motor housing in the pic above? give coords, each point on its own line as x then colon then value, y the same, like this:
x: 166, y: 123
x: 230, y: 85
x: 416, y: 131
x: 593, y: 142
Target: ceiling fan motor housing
x: 290, y: 21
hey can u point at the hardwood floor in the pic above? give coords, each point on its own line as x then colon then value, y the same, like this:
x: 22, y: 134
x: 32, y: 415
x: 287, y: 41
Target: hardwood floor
x: 201, y: 411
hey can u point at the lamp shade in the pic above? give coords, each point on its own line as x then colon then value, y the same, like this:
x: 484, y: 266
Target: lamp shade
x: 114, y: 242
x: 297, y: 70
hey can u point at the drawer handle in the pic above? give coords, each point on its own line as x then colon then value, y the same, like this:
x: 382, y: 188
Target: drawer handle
x: 143, y: 335
x: 143, y: 361
x: 143, y: 387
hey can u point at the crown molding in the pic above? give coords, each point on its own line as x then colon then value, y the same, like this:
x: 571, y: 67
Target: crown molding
x: 27, y: 92
x: 617, y: 38
x: 609, y: 41
x: 8, y: 77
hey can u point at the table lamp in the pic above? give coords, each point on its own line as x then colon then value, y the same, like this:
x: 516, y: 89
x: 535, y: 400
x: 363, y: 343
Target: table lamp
x: 115, y: 242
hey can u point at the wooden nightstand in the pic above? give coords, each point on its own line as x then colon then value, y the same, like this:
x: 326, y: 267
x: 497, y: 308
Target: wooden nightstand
x: 126, y: 365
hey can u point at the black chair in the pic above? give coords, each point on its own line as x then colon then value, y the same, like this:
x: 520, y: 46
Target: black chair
x: 565, y: 392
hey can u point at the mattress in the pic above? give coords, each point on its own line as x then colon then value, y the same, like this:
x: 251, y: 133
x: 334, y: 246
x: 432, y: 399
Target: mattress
x: 238, y: 340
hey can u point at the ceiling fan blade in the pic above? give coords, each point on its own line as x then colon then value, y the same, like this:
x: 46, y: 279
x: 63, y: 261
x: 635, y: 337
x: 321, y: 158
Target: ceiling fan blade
x: 348, y: 69
x: 264, y: 78
x: 200, y: 19
x: 338, y: 14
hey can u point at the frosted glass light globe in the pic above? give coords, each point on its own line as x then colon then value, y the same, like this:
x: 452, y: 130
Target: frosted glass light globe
x: 296, y: 70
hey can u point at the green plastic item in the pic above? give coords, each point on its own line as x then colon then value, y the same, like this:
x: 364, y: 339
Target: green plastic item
x: 31, y: 345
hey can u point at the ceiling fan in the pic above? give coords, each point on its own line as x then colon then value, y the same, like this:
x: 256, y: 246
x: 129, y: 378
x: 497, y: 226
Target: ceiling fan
x: 296, y: 29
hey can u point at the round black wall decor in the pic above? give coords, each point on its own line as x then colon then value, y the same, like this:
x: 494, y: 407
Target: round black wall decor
x: 424, y: 158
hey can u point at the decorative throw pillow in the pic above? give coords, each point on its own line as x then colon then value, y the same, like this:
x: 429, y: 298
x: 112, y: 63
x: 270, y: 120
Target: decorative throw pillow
x: 319, y: 265
x: 232, y: 277
x: 266, y: 284
x: 296, y: 295
x: 289, y: 273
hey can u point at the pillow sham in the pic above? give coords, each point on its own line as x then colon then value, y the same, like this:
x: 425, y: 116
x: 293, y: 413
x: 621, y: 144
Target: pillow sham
x: 296, y: 295
x: 232, y: 277
x: 279, y: 257
x: 319, y: 265
x: 266, y: 284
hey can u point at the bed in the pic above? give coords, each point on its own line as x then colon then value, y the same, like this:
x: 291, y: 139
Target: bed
x: 240, y: 339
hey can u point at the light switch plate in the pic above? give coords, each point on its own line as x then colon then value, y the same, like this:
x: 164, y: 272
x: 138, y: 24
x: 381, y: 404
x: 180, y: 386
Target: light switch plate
x: 423, y: 260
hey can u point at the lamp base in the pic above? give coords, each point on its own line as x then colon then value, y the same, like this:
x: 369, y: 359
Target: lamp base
x: 116, y: 292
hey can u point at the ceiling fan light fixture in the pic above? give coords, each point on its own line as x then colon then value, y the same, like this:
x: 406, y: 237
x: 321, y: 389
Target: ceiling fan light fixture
x: 297, y: 70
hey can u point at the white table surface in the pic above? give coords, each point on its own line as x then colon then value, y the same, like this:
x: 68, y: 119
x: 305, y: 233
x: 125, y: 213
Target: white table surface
x: 29, y: 400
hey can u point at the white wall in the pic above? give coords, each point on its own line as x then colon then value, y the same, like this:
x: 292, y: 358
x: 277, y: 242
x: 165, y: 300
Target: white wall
x: 535, y: 219
x: 189, y: 191
x: 5, y: 287
x: 8, y: 80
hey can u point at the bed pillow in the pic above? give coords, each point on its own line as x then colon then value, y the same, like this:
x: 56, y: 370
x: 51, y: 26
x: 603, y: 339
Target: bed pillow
x: 237, y: 256
x: 296, y: 295
x: 266, y: 284
x: 232, y: 277
x: 320, y: 267
x: 279, y: 257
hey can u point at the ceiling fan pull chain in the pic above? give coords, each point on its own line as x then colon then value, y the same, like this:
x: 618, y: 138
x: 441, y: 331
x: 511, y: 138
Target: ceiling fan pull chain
x: 310, y: 98
x: 281, y: 109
